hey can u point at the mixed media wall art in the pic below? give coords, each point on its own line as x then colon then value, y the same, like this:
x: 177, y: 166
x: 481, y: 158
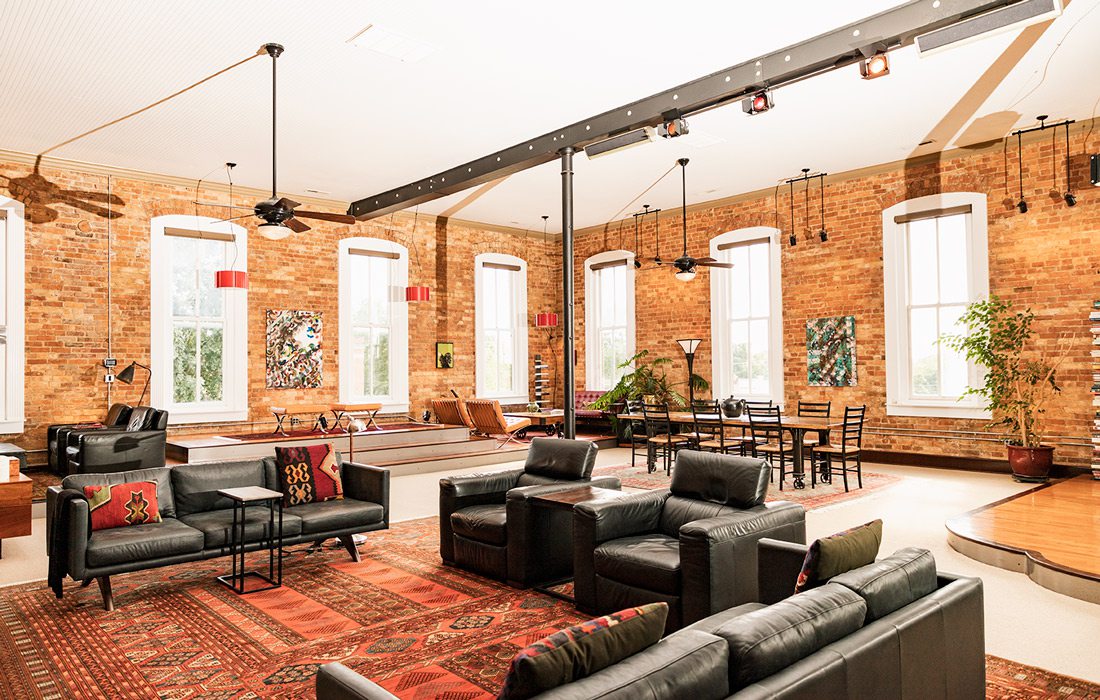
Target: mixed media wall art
x: 831, y: 351
x: 294, y: 349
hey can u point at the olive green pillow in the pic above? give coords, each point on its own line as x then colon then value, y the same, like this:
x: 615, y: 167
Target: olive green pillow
x: 839, y: 553
x: 579, y: 651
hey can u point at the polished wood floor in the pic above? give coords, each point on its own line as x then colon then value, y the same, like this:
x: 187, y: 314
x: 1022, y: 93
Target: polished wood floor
x: 1057, y: 526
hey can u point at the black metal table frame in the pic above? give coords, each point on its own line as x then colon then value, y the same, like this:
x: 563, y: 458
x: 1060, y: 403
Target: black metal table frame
x: 236, y: 542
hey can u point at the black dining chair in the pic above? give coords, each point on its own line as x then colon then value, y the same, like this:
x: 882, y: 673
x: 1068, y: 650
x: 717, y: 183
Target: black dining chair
x: 745, y: 433
x: 660, y: 440
x: 707, y: 426
x: 770, y: 440
x: 639, y: 443
x: 848, y: 450
x: 815, y: 409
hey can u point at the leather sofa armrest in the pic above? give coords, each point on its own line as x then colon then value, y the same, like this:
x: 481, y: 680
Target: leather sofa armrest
x: 79, y: 530
x: 607, y: 482
x: 367, y: 483
x: 458, y: 492
x: 718, y: 556
x: 779, y: 565
x: 336, y: 681
x: 52, y: 493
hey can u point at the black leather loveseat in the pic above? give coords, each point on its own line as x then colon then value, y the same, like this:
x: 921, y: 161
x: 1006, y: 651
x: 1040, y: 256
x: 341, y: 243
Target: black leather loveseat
x: 890, y: 630
x: 57, y: 435
x: 139, y: 444
x: 196, y: 520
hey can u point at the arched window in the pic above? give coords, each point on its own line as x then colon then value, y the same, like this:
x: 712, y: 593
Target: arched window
x: 500, y: 311
x: 199, y: 333
x: 746, y: 315
x: 374, y: 323
x: 608, y: 317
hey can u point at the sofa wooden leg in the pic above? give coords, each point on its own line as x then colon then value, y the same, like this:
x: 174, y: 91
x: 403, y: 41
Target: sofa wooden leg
x: 105, y: 590
x: 349, y: 544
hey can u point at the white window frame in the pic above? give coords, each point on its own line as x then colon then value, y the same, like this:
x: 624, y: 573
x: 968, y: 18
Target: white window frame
x: 899, y: 397
x: 592, y: 360
x: 719, y: 313
x: 234, y: 403
x: 519, y: 366
x: 14, y: 301
x: 397, y: 401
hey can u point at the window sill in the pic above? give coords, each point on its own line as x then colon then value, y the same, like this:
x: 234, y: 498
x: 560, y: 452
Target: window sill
x: 508, y: 400
x: 951, y: 410
x: 11, y: 427
x: 217, y: 416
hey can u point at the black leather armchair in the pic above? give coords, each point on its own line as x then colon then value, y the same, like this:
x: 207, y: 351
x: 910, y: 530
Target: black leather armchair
x: 487, y: 525
x: 138, y: 445
x: 57, y: 435
x: 693, y: 546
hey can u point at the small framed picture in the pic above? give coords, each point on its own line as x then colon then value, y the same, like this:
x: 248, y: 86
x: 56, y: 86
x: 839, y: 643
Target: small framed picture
x: 445, y: 355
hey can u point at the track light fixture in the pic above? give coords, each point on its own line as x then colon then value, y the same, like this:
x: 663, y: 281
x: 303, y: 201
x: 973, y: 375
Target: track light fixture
x: 1022, y: 204
x: 875, y: 67
x: 760, y: 102
x: 793, y: 239
x: 822, y: 232
x: 1068, y: 196
x: 1071, y: 199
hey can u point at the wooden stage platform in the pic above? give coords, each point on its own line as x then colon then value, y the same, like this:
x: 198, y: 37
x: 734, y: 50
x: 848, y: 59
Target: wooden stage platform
x: 1051, y: 533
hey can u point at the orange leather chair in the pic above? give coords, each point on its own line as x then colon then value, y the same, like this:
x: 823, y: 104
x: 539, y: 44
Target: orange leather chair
x: 490, y: 420
x: 451, y: 412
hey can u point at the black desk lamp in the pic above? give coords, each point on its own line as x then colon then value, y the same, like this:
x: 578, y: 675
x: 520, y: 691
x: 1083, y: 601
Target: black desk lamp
x: 126, y: 376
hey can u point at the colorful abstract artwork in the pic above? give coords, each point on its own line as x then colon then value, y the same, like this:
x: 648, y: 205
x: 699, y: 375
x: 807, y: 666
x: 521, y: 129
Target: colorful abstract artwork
x: 294, y: 349
x: 831, y: 351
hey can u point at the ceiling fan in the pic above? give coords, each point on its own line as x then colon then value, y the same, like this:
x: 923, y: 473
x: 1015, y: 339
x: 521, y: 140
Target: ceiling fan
x: 278, y: 215
x: 685, y: 264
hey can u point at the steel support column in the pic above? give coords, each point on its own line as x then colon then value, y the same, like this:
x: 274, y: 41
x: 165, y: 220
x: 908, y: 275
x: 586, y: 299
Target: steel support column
x: 568, y: 378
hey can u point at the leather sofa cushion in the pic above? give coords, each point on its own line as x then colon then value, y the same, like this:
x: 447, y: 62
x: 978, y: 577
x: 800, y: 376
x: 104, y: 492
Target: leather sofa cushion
x: 679, y: 511
x: 117, y: 414
x: 138, y: 543
x: 215, y: 525
x: 331, y: 516
x: 588, y: 413
x: 766, y: 641
x: 561, y: 459
x: 162, y: 476
x: 487, y: 523
x: 740, y: 482
x: 196, y: 485
x: 648, y: 561
x: 713, y: 622
x: 892, y: 583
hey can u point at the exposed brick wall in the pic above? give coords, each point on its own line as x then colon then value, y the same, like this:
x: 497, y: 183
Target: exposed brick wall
x: 1047, y: 259
x: 66, y: 282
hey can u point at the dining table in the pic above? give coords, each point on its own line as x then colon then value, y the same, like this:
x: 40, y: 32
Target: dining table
x: 798, y: 426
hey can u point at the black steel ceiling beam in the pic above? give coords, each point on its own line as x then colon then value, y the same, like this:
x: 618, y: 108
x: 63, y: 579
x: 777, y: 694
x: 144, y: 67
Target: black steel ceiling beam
x: 841, y: 47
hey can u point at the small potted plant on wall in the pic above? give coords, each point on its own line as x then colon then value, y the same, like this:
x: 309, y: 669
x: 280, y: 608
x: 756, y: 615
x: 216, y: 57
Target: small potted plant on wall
x: 1020, y: 379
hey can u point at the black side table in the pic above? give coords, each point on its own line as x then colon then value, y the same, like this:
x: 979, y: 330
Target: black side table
x: 238, y: 581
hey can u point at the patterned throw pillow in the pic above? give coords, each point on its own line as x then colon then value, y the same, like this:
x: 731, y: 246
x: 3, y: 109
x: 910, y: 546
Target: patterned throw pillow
x: 836, y: 554
x: 579, y: 651
x: 121, y: 505
x: 308, y: 474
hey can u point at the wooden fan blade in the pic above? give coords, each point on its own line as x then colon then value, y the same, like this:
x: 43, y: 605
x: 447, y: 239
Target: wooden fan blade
x: 287, y: 203
x: 214, y: 204
x: 707, y: 259
x: 296, y: 226
x: 326, y: 216
x: 727, y: 266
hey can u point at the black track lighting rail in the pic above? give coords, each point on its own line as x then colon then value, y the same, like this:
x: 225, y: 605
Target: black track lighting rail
x: 1043, y: 126
x: 848, y: 45
x: 1070, y: 198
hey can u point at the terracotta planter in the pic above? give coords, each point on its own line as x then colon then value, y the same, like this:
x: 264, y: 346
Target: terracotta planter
x: 1030, y: 464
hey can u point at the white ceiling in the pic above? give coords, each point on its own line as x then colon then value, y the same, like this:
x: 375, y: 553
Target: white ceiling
x: 354, y: 122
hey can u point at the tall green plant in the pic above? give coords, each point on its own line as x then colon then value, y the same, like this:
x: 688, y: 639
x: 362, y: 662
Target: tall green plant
x: 1019, y: 379
x: 647, y: 378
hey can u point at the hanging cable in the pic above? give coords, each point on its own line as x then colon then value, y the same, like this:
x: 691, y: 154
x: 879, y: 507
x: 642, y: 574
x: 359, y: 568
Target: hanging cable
x: 1071, y: 199
x: 822, y: 234
x: 793, y: 240
x: 641, y: 194
x: 1022, y: 204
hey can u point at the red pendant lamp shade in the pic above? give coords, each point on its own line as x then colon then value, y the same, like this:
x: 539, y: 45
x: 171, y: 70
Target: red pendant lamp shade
x: 546, y: 320
x: 417, y: 293
x: 231, y: 279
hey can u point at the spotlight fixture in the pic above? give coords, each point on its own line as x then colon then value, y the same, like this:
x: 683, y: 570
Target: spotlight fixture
x: 875, y: 67
x: 673, y: 128
x: 822, y: 234
x: 1022, y: 204
x: 1094, y: 170
x: 1071, y: 199
x: 793, y: 240
x: 760, y: 102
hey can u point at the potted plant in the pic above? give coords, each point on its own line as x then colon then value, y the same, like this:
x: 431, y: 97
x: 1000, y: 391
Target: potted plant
x: 1019, y: 379
x: 645, y: 380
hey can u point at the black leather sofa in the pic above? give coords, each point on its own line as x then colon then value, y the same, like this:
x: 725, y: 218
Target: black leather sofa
x: 57, y: 435
x: 487, y: 524
x: 196, y: 520
x: 139, y: 444
x: 891, y: 630
x: 692, y: 545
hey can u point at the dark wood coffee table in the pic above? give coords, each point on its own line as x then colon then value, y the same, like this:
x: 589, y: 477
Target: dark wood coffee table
x: 558, y: 522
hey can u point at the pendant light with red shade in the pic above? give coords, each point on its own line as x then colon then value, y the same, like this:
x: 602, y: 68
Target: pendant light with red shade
x: 419, y: 292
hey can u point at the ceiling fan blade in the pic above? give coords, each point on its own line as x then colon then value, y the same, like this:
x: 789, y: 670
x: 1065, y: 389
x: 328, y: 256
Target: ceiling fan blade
x: 326, y: 216
x: 723, y: 265
x: 706, y: 259
x: 233, y: 218
x: 215, y: 204
x: 287, y: 203
x: 296, y: 226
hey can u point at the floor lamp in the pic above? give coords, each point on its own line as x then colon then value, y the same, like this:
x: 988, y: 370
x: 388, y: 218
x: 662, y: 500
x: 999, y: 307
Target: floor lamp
x: 690, y: 345
x: 126, y: 376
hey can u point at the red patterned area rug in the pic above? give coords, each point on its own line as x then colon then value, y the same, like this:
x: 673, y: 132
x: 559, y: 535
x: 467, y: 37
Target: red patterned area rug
x: 419, y: 629
x: 818, y: 497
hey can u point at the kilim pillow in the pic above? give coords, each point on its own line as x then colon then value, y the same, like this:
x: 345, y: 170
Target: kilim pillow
x: 581, y: 650
x: 836, y: 554
x: 120, y: 505
x: 308, y: 474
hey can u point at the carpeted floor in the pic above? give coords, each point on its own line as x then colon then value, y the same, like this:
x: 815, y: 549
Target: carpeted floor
x: 420, y: 629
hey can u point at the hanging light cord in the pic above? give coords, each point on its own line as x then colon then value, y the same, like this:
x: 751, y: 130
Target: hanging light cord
x: 791, y: 186
x: 1020, y: 161
x: 641, y: 194
x: 229, y: 212
x: 412, y: 241
x: 821, y: 188
x: 1069, y: 187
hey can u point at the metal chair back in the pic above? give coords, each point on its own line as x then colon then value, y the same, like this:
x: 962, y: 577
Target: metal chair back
x: 657, y: 420
x: 766, y: 425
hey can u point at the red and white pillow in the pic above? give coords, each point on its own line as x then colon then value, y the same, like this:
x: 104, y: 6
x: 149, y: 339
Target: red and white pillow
x: 122, y: 505
x: 308, y: 474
